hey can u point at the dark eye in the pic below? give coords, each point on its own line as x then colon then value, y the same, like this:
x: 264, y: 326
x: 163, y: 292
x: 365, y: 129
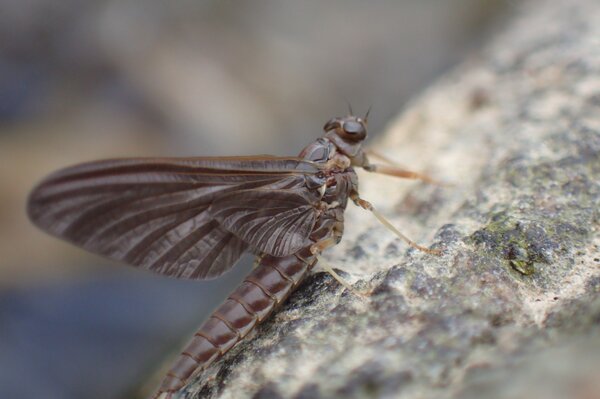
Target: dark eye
x: 354, y: 130
x: 352, y: 127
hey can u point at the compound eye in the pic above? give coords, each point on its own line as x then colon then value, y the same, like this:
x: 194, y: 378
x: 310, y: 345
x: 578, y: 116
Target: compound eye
x: 354, y: 129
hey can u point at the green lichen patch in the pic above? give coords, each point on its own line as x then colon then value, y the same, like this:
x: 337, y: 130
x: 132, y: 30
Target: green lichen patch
x: 552, y: 202
x: 521, y: 242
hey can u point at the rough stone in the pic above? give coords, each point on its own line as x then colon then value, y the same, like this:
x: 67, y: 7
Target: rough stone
x: 515, y: 296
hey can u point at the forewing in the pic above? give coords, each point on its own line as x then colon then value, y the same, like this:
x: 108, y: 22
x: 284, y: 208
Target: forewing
x: 153, y: 213
x: 276, y: 222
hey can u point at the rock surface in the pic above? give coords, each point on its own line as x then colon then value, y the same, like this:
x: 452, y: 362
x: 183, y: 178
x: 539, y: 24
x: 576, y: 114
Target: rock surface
x: 512, y: 308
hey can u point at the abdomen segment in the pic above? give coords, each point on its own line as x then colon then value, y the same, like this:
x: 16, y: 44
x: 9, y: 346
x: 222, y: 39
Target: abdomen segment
x: 267, y: 286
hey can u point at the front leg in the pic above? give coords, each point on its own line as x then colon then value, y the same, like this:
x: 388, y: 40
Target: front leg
x: 402, y: 173
x: 392, y: 169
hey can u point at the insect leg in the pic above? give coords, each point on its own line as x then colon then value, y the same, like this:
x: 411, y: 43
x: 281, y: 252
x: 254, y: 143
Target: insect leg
x: 316, y: 250
x: 385, y: 159
x: 392, y: 170
x: 322, y: 245
x: 327, y: 267
x: 257, y: 261
x: 367, y: 205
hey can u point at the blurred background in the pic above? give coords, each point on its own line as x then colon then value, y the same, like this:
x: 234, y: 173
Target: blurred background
x: 81, y: 80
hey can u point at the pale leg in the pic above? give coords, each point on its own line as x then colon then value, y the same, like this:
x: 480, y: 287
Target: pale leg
x: 367, y: 205
x: 257, y: 261
x: 316, y: 250
x: 402, y: 173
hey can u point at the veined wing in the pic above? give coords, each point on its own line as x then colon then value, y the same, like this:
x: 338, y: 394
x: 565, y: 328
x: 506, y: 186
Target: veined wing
x: 277, y: 222
x: 153, y: 212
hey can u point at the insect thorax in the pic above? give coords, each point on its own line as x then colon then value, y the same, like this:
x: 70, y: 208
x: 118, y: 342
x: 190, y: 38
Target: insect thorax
x: 338, y: 179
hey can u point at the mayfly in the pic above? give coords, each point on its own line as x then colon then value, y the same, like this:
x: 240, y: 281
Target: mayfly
x: 193, y: 218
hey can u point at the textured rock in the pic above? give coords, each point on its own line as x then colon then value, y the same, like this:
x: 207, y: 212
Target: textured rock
x: 517, y: 291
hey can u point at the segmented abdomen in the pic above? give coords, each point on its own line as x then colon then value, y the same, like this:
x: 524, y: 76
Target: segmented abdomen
x: 266, y: 286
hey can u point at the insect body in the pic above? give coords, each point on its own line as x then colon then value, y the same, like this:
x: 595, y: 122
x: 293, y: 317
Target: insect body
x: 193, y: 218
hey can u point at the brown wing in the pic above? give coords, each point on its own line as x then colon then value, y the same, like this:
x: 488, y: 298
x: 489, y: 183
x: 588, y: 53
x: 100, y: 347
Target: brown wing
x: 277, y: 222
x: 153, y: 213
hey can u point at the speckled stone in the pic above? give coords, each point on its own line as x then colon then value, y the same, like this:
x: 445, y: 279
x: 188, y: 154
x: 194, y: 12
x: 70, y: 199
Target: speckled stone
x: 516, y: 129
